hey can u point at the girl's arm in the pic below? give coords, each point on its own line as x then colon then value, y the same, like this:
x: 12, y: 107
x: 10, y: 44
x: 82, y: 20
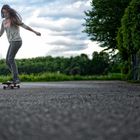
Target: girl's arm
x: 30, y: 29
x: 1, y: 30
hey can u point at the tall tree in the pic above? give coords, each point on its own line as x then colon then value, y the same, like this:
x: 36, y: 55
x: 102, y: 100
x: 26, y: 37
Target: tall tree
x: 129, y: 39
x: 103, y: 21
x: 99, y: 63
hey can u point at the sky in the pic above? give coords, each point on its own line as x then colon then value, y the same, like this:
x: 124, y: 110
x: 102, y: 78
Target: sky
x: 60, y: 24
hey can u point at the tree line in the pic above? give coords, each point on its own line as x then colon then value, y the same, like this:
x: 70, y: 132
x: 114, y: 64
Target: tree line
x: 100, y: 63
x: 116, y: 25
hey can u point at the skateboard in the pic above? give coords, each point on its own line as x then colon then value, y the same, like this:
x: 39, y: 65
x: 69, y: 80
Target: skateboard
x: 10, y: 85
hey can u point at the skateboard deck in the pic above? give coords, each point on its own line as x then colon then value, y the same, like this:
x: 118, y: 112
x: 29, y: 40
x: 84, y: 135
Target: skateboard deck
x: 10, y: 85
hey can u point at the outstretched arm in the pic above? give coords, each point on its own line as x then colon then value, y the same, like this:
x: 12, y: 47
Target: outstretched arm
x: 30, y: 29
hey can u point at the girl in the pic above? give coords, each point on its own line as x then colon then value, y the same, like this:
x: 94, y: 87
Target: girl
x: 11, y: 23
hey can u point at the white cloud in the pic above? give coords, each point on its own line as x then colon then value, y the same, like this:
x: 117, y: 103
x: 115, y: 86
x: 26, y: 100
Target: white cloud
x: 63, y: 24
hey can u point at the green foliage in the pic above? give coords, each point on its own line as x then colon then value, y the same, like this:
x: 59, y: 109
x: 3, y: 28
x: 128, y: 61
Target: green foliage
x: 128, y: 38
x: 115, y: 63
x: 80, y: 65
x: 99, y: 63
x: 103, y: 21
x: 129, y: 32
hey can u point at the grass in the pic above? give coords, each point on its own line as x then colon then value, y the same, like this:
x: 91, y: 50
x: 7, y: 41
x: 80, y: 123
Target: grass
x: 45, y: 77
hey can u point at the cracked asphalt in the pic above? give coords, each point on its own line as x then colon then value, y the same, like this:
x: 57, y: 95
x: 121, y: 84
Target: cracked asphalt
x: 74, y: 110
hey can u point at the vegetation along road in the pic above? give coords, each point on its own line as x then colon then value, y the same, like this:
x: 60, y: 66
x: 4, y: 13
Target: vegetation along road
x: 74, y: 110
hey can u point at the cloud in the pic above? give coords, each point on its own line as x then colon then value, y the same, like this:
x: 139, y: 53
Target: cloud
x: 68, y: 45
x: 70, y: 34
x: 64, y: 24
x: 71, y: 10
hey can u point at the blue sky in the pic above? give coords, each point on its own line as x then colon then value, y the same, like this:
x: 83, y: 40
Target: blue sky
x: 60, y: 23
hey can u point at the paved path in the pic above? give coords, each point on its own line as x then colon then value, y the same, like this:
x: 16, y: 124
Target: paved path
x: 83, y: 110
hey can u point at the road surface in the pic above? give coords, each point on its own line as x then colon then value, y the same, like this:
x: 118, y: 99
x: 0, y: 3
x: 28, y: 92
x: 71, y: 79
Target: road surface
x: 81, y: 110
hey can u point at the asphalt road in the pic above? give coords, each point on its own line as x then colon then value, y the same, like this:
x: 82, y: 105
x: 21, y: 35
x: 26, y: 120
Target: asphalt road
x: 83, y: 110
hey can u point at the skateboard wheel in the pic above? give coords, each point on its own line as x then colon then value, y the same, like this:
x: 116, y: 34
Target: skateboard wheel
x: 18, y: 86
x: 12, y: 87
x: 4, y: 87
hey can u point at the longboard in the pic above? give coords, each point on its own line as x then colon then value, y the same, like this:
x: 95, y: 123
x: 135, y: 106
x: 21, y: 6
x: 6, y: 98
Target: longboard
x: 10, y: 85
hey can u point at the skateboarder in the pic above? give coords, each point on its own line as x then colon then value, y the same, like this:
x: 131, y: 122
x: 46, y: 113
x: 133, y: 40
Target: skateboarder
x: 11, y: 23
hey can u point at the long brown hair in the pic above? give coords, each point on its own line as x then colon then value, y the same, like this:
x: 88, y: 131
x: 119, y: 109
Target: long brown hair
x: 13, y: 15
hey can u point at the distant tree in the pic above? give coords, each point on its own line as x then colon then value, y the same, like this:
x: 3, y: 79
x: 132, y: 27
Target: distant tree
x: 115, y: 63
x: 99, y: 63
x: 78, y: 65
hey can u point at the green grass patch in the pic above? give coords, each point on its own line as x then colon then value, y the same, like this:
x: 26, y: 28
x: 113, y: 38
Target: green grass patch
x: 44, y: 77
